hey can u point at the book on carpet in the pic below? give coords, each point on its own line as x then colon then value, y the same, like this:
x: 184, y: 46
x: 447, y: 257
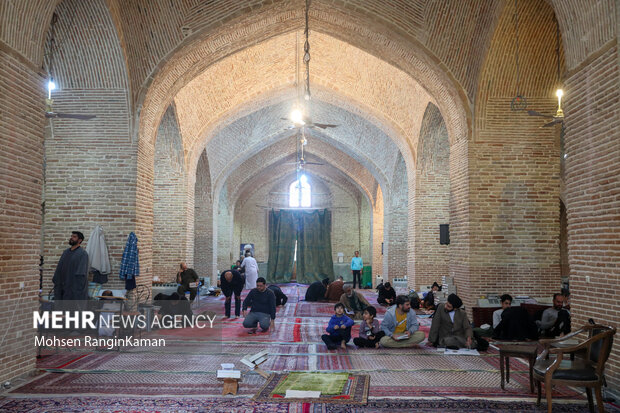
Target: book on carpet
x: 462, y: 352
x: 228, y: 366
x: 228, y: 374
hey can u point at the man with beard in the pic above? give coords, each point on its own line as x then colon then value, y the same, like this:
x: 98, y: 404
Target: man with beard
x: 555, y: 320
x: 354, y: 303
x: 71, y: 275
x: 400, y: 325
x: 188, y: 279
x: 450, y: 327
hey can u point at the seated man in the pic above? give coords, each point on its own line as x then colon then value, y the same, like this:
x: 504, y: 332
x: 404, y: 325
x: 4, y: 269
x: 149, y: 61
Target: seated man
x: 429, y: 302
x: 335, y: 290
x: 338, y: 329
x: 188, y: 279
x: 506, y: 300
x: 316, y: 290
x: 387, y: 295
x: 354, y: 302
x: 400, y: 325
x: 107, y: 303
x: 555, y: 321
x: 263, y: 303
x: 172, y: 305
x: 450, y: 327
x: 281, y: 298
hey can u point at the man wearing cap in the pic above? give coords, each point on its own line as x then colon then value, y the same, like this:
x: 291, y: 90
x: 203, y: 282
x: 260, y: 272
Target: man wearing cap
x: 450, y: 327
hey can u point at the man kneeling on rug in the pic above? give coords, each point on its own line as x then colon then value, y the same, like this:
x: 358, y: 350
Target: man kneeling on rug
x: 339, y: 329
x: 400, y: 325
x: 263, y: 303
x: 450, y: 327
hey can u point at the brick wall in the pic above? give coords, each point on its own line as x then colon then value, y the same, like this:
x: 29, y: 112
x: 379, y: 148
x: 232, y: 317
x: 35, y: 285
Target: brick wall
x: 90, y: 176
x: 21, y: 183
x: 592, y: 203
x: 432, y: 198
x: 170, y: 199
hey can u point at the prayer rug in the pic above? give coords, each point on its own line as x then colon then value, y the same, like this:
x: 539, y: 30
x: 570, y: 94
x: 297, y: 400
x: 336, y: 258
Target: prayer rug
x: 354, y: 390
x: 326, y: 383
x: 245, y: 405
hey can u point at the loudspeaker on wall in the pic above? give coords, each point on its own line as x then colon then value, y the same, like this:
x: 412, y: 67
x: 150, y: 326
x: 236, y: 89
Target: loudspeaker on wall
x: 444, y: 234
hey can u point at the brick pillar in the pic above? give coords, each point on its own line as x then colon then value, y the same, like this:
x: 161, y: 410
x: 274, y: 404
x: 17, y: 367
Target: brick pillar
x: 432, y: 198
x: 377, y: 236
x: 203, y: 219
x: 21, y: 168
x: 170, y: 202
x: 398, y: 237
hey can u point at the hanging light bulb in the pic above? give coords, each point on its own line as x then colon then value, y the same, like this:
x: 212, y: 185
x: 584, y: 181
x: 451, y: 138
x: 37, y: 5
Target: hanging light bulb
x: 560, y: 113
x: 50, y: 86
x: 297, y: 117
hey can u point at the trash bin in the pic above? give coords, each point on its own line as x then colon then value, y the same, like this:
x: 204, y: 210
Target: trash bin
x: 367, y: 276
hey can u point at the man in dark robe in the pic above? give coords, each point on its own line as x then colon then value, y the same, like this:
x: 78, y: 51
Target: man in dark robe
x: 71, y: 275
x: 335, y: 290
x: 316, y: 290
x: 188, y: 279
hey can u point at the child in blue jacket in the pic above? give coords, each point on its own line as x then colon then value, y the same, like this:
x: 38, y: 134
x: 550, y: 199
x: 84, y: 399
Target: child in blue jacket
x: 338, y: 329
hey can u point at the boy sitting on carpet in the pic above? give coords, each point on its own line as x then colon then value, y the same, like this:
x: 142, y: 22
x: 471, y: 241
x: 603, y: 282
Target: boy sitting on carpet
x: 370, y: 330
x: 339, y: 329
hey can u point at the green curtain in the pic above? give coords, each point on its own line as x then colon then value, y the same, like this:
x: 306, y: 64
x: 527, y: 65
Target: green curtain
x: 314, y: 246
x: 282, y: 235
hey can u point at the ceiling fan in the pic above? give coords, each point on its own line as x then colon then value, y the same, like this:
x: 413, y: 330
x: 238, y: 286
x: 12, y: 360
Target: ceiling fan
x: 558, y: 118
x: 49, y: 113
x: 51, y: 85
x: 301, y: 122
x: 301, y: 161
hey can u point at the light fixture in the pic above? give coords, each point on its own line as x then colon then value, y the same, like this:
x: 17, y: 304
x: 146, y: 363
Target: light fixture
x: 51, y: 85
x: 560, y: 113
x: 297, y: 117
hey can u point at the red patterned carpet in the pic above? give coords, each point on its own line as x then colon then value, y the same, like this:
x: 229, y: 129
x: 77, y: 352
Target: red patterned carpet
x: 181, y: 375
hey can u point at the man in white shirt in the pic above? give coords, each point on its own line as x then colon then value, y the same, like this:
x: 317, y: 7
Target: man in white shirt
x: 506, y: 300
x: 251, y: 270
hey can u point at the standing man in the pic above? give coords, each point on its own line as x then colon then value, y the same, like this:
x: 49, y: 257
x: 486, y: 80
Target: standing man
x: 250, y: 267
x: 356, y: 268
x: 263, y: 303
x: 231, y: 282
x: 188, y: 279
x: 71, y: 275
x: 400, y: 325
x: 450, y: 327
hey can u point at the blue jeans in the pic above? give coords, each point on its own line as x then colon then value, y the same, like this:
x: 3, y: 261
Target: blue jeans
x: 254, y: 318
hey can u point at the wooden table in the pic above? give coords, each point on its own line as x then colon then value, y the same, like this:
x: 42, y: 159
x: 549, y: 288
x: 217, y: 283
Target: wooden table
x: 231, y: 386
x: 526, y: 351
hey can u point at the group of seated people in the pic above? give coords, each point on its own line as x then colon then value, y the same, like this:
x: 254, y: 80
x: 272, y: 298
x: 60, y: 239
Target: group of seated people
x: 450, y: 325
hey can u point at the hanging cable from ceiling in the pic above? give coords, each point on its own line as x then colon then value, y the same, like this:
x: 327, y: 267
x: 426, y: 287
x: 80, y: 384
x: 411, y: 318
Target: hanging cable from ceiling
x: 519, y: 102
